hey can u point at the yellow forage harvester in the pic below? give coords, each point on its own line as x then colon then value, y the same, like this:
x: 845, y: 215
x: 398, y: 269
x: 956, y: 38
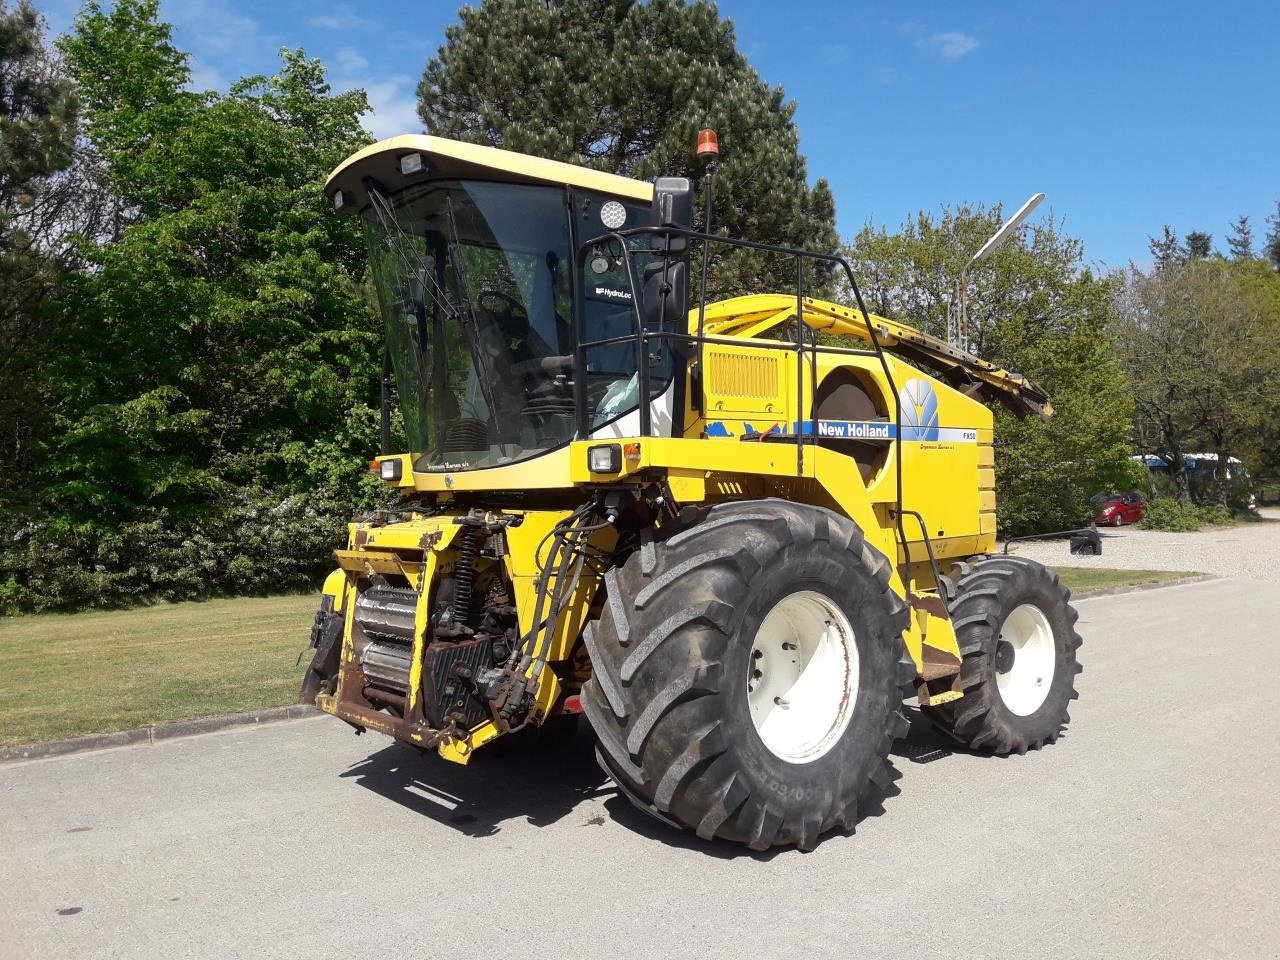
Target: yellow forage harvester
x: 735, y: 548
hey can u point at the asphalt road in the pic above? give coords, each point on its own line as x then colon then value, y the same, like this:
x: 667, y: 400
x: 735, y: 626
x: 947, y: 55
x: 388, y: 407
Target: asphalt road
x: 1150, y: 830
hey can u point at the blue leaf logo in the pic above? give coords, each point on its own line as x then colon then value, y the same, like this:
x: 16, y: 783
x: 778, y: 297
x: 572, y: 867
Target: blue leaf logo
x: 919, y: 411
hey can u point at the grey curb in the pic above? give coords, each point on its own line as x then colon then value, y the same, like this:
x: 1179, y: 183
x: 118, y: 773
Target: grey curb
x: 154, y: 733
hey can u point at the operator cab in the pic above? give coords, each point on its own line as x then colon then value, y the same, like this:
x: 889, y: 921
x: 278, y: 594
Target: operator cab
x: 475, y: 262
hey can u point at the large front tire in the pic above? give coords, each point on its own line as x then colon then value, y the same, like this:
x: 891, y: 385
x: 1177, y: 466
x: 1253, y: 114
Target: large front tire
x: 703, y: 723
x: 1016, y: 629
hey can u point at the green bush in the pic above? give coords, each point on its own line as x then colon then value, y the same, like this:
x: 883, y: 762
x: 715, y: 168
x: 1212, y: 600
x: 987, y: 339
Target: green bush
x: 1170, y: 515
x: 1213, y: 515
x: 256, y: 542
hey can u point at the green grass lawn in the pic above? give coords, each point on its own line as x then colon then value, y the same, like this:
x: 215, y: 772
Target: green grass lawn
x: 62, y: 675
x: 1085, y: 579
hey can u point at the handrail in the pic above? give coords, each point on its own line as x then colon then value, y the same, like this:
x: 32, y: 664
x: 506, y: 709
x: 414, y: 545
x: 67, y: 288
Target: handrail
x: 643, y: 336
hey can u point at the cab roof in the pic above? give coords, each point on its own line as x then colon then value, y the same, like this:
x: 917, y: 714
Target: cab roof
x: 455, y: 159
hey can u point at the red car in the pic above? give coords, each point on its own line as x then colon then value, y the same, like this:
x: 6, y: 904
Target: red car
x: 1116, y: 509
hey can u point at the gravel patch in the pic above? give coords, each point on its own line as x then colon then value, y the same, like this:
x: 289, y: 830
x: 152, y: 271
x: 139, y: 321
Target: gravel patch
x: 1249, y: 551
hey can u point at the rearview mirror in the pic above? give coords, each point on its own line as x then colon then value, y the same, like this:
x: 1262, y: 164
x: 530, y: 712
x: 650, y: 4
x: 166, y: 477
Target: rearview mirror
x: 672, y: 207
x: 666, y: 292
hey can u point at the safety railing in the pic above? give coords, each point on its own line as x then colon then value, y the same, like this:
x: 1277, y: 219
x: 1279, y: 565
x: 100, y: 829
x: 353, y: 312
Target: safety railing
x: 642, y: 336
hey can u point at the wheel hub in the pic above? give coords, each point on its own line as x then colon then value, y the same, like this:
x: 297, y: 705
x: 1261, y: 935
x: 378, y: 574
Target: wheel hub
x: 802, y: 677
x: 1026, y: 656
x: 1004, y: 656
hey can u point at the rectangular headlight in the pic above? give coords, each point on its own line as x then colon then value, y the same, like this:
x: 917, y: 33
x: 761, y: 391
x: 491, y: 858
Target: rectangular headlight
x: 412, y: 163
x: 606, y: 458
x: 390, y: 470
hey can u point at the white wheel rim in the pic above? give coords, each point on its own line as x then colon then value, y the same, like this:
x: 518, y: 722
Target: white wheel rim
x: 802, y: 681
x: 1025, y: 659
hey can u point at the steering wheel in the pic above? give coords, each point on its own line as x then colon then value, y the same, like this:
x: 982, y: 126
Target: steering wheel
x: 510, y: 305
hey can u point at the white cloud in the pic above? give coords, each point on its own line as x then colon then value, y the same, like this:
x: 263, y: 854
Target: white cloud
x: 210, y: 28
x: 205, y: 77
x: 348, y: 62
x: 393, y: 100
x: 393, y: 103
x: 885, y: 76
x: 342, y: 18
x: 949, y: 45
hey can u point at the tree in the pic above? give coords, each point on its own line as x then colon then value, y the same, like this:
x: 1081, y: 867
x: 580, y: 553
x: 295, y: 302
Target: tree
x: 1240, y: 242
x: 38, y: 121
x: 212, y: 386
x: 1034, y: 308
x: 1166, y: 249
x: 1271, y: 244
x: 1200, y: 351
x: 624, y: 86
x: 136, y: 100
x: 1199, y: 245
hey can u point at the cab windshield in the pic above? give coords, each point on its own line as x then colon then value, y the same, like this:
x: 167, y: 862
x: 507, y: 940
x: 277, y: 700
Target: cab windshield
x: 473, y: 281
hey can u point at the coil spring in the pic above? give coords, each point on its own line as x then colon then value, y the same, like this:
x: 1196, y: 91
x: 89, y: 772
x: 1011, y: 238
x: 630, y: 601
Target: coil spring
x: 464, y: 574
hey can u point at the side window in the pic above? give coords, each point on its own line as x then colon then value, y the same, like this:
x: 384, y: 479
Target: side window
x: 608, y: 305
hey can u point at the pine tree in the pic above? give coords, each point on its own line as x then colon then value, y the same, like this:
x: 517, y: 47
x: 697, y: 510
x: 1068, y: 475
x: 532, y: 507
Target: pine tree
x: 1240, y: 242
x: 1166, y: 250
x: 1199, y: 245
x: 624, y: 87
x: 1271, y: 244
x: 38, y: 117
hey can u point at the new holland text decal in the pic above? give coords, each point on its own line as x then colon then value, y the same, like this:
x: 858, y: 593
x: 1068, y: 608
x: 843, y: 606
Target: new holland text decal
x: 920, y: 423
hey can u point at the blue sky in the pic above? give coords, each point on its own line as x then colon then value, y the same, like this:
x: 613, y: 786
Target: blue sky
x: 1127, y: 115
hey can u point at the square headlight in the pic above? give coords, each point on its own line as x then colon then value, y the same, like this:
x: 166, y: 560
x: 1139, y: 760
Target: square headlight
x: 412, y: 163
x: 391, y: 470
x: 605, y: 458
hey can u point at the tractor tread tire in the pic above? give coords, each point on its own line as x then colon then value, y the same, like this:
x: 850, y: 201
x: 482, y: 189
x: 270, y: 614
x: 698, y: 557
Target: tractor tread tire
x: 980, y: 593
x: 669, y: 657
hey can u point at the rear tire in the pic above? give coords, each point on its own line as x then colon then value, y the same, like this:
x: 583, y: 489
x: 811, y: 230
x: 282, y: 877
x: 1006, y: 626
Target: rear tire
x: 1016, y: 630
x: 675, y: 685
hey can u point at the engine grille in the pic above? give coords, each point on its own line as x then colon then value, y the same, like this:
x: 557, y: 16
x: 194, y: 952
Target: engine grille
x: 386, y: 617
x: 452, y: 669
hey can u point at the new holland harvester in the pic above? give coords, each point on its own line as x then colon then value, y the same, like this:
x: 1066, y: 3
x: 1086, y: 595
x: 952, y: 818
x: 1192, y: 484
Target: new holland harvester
x: 735, y: 535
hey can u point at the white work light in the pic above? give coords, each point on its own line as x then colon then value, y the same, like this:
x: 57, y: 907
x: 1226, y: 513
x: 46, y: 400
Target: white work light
x: 412, y: 163
x: 606, y: 458
x: 613, y: 214
x: 390, y: 470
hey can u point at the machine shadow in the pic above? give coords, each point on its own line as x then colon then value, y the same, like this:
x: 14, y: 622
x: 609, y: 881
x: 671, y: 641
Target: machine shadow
x: 541, y: 781
x: 922, y: 744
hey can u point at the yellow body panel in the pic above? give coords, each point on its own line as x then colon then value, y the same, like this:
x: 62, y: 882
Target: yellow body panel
x: 452, y: 158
